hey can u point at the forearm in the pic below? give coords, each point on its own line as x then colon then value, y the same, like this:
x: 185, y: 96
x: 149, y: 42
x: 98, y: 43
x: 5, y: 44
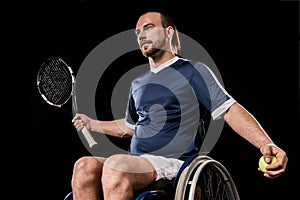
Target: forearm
x: 243, y: 123
x: 115, y: 128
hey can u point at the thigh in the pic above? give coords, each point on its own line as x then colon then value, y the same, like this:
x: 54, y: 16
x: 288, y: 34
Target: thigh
x: 166, y: 168
x: 137, y: 169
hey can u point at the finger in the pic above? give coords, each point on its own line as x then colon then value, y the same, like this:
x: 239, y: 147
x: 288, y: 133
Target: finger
x: 272, y: 174
x: 79, y: 127
x: 77, y: 122
x: 76, y: 117
x: 266, y: 150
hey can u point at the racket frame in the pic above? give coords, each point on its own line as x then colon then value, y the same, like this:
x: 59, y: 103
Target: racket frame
x: 72, y: 95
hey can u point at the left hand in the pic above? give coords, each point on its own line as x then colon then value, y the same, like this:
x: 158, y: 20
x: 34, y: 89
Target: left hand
x: 279, y: 167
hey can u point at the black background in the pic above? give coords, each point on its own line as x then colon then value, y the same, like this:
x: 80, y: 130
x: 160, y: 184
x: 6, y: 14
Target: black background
x: 255, y: 46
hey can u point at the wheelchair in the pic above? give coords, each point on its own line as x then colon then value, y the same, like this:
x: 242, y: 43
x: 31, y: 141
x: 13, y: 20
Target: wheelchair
x: 199, y: 178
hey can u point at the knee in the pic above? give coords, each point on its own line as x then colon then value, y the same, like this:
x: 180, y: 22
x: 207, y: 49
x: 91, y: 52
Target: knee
x: 116, y: 173
x: 87, y: 169
x: 119, y: 162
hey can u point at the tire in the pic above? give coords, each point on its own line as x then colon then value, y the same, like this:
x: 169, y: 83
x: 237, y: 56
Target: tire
x: 205, y: 179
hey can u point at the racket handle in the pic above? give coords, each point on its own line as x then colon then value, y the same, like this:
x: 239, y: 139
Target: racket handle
x: 86, y: 133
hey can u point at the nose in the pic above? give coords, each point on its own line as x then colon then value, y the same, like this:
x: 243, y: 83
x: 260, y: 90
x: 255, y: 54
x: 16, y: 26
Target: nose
x: 140, y: 39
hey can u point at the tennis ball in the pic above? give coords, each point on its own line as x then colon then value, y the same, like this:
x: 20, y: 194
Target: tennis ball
x: 262, y: 164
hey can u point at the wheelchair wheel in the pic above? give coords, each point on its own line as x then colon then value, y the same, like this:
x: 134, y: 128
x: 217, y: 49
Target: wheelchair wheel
x: 69, y: 196
x: 205, y: 179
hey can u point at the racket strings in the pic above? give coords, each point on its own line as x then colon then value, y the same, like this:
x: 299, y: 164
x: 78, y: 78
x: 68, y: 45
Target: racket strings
x: 56, y: 82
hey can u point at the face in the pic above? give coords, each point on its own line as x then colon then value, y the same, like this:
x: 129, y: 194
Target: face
x: 151, y: 35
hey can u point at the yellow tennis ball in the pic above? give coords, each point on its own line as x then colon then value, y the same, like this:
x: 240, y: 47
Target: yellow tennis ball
x: 262, y: 164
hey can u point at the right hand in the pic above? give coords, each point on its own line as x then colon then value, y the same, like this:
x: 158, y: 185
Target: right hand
x: 81, y: 120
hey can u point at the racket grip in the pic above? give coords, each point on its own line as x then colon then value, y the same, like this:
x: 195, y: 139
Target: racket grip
x: 86, y: 133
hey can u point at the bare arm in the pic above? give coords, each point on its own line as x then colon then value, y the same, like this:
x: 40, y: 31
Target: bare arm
x: 115, y: 128
x: 243, y: 123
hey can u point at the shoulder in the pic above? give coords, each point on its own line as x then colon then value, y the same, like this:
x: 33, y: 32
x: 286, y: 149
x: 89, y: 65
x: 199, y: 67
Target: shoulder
x: 190, y: 66
x: 140, y: 79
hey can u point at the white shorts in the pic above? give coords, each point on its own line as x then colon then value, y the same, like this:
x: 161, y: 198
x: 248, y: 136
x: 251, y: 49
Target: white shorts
x: 165, y: 167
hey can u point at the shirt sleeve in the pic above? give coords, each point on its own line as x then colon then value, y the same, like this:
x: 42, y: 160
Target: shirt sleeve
x: 131, y: 116
x: 210, y: 92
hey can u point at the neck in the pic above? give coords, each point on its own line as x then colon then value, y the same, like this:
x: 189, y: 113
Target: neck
x: 160, y: 58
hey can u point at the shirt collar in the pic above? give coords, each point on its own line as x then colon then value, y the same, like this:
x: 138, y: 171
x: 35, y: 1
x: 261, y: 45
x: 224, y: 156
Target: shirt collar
x: 164, y: 65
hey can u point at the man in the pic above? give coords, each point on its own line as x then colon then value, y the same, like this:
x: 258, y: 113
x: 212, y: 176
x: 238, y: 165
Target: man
x: 163, y: 119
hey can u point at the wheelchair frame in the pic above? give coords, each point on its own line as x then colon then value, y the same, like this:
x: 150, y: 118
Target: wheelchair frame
x: 218, y: 183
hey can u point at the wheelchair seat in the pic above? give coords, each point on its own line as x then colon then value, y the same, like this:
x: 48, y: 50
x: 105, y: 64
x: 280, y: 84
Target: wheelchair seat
x: 199, y: 178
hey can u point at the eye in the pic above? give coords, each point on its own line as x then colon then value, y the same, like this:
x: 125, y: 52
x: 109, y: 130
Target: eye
x: 148, y: 27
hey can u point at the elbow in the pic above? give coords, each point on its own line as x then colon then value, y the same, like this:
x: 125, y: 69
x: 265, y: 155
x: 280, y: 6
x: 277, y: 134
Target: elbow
x: 231, y: 111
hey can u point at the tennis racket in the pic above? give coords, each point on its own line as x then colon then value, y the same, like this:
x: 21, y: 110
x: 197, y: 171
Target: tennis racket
x: 56, y: 84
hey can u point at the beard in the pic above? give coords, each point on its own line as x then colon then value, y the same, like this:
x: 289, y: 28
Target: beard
x: 154, y: 49
x: 150, y: 52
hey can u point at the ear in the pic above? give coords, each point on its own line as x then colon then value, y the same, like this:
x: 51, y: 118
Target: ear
x: 170, y: 31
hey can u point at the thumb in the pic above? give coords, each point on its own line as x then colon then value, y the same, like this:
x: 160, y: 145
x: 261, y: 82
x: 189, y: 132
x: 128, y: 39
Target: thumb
x: 266, y: 151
